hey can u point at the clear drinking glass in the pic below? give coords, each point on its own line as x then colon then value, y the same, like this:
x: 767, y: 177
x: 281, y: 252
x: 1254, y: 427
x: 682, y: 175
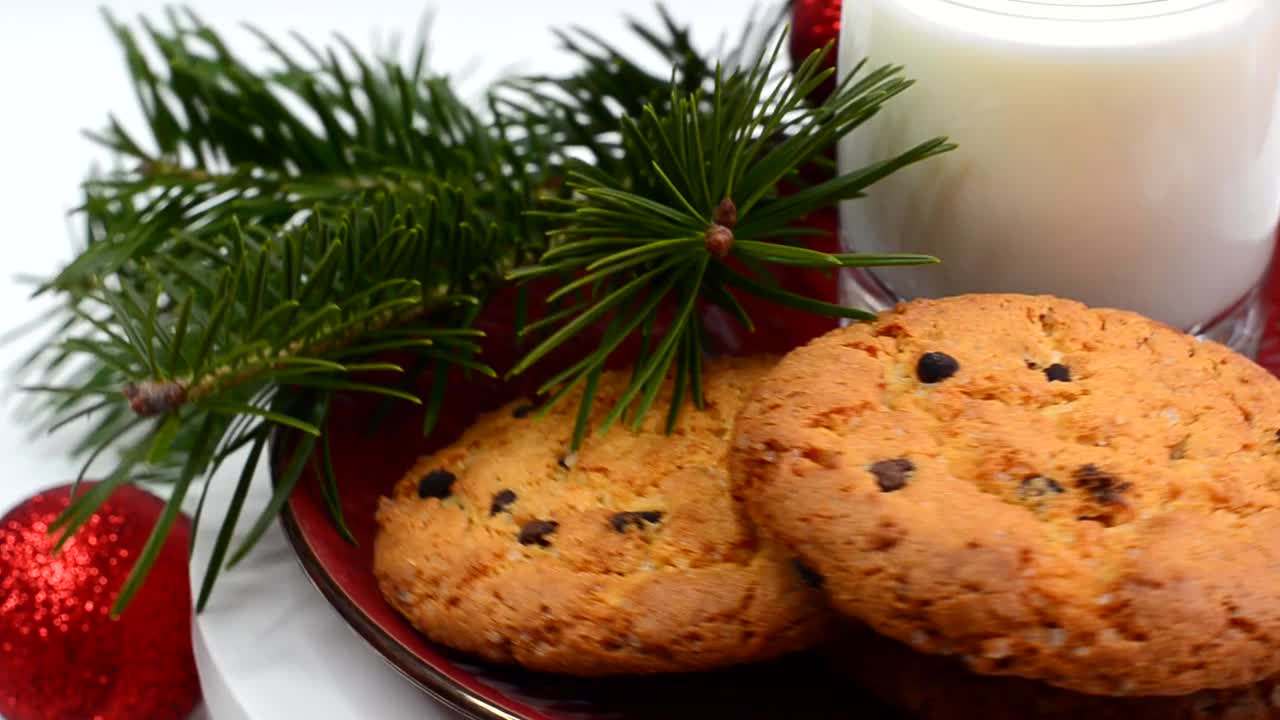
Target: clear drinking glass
x: 1123, y: 153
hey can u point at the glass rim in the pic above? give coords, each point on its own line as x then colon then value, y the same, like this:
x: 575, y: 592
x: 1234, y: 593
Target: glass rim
x: 1087, y: 25
x: 1086, y: 10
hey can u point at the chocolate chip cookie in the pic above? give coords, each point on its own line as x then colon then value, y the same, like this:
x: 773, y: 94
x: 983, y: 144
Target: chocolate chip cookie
x: 626, y: 557
x: 1079, y: 496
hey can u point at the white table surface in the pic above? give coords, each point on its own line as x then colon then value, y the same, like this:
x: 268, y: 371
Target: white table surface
x: 269, y: 646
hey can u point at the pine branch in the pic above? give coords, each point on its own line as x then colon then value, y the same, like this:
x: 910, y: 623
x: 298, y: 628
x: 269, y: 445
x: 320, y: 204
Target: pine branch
x: 300, y: 311
x: 226, y: 144
x: 711, y: 227
x: 229, y: 143
x: 278, y: 230
x: 577, y: 115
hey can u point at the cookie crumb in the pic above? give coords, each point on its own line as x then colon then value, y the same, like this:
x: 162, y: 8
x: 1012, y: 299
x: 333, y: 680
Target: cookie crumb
x: 997, y: 648
x: 1038, y: 486
x: 1055, y: 637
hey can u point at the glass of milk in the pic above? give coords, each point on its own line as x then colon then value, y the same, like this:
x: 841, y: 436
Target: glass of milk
x: 1124, y: 153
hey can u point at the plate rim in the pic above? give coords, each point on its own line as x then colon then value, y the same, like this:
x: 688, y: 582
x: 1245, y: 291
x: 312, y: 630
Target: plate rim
x: 435, y: 683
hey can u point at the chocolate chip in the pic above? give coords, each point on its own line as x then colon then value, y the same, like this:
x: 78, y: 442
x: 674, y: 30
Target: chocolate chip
x: 1058, y: 372
x: 1038, y: 486
x: 1104, y: 487
x: 935, y: 367
x: 436, y: 484
x: 893, y: 474
x: 536, y: 532
x: 501, y: 501
x: 623, y: 520
x: 808, y: 575
x: 521, y: 411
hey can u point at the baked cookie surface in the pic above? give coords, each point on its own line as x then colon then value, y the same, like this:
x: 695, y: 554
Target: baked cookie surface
x: 629, y: 556
x: 1079, y: 496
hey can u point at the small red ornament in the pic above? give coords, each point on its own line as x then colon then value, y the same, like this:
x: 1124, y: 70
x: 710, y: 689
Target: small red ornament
x: 62, y: 657
x: 814, y: 23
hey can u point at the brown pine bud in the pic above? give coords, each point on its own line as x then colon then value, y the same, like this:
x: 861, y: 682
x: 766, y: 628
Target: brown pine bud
x: 726, y: 214
x: 719, y: 241
x: 151, y: 398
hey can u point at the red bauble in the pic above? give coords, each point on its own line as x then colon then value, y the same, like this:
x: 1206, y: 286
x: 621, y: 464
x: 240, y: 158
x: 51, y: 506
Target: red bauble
x: 814, y: 23
x: 62, y: 657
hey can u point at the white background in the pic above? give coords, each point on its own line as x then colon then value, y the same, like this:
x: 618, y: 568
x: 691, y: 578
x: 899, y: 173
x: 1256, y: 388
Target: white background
x: 272, y: 648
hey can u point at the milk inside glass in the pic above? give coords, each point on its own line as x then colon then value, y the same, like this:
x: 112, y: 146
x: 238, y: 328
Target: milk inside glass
x: 1122, y: 154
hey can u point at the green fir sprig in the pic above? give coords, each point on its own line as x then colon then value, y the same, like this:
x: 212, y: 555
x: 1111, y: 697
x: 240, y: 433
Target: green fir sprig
x: 715, y: 166
x: 578, y: 115
x: 253, y: 312
x: 227, y: 143
x: 278, y: 231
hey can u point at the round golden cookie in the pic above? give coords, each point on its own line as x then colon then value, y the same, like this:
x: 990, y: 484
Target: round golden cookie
x: 627, y: 557
x: 1074, y: 495
x: 933, y: 687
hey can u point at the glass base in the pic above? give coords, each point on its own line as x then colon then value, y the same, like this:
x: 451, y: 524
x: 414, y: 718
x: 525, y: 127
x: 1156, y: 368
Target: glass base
x: 1240, y: 327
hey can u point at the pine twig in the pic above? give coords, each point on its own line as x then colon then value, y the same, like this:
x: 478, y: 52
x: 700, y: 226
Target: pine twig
x: 716, y: 165
x: 305, y: 309
x: 274, y: 231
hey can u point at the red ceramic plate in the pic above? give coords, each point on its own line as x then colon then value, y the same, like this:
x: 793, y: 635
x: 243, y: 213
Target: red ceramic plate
x: 368, y: 463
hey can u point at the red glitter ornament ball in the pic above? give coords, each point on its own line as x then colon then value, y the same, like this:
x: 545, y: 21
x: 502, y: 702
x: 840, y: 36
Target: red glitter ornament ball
x: 62, y: 657
x: 814, y: 23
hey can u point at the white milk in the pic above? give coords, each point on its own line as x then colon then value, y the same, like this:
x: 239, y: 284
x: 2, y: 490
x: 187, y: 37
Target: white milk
x: 1125, y: 153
